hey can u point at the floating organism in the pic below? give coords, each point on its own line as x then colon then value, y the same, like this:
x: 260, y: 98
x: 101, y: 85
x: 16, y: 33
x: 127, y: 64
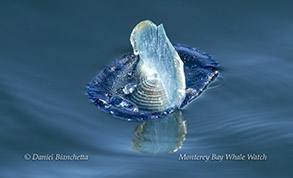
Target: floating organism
x: 156, y: 79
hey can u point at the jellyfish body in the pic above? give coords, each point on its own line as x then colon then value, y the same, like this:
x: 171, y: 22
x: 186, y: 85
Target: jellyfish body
x: 153, y: 81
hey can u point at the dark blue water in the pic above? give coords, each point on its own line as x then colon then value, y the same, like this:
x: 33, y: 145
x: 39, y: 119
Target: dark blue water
x: 50, y: 50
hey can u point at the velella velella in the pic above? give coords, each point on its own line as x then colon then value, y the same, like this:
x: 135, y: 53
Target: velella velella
x: 156, y: 79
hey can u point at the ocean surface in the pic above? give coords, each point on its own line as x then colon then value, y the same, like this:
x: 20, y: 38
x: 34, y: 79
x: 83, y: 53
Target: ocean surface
x: 50, y: 50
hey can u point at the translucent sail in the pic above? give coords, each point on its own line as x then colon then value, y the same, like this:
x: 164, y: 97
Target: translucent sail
x: 158, y: 60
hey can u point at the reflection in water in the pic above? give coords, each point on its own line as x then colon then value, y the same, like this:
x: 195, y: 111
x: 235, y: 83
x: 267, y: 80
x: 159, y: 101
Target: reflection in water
x: 164, y: 135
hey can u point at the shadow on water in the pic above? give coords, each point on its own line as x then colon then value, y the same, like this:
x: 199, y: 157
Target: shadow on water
x: 164, y: 135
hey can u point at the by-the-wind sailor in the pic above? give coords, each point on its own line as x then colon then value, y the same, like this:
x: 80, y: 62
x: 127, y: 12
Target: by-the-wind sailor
x: 154, y: 80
